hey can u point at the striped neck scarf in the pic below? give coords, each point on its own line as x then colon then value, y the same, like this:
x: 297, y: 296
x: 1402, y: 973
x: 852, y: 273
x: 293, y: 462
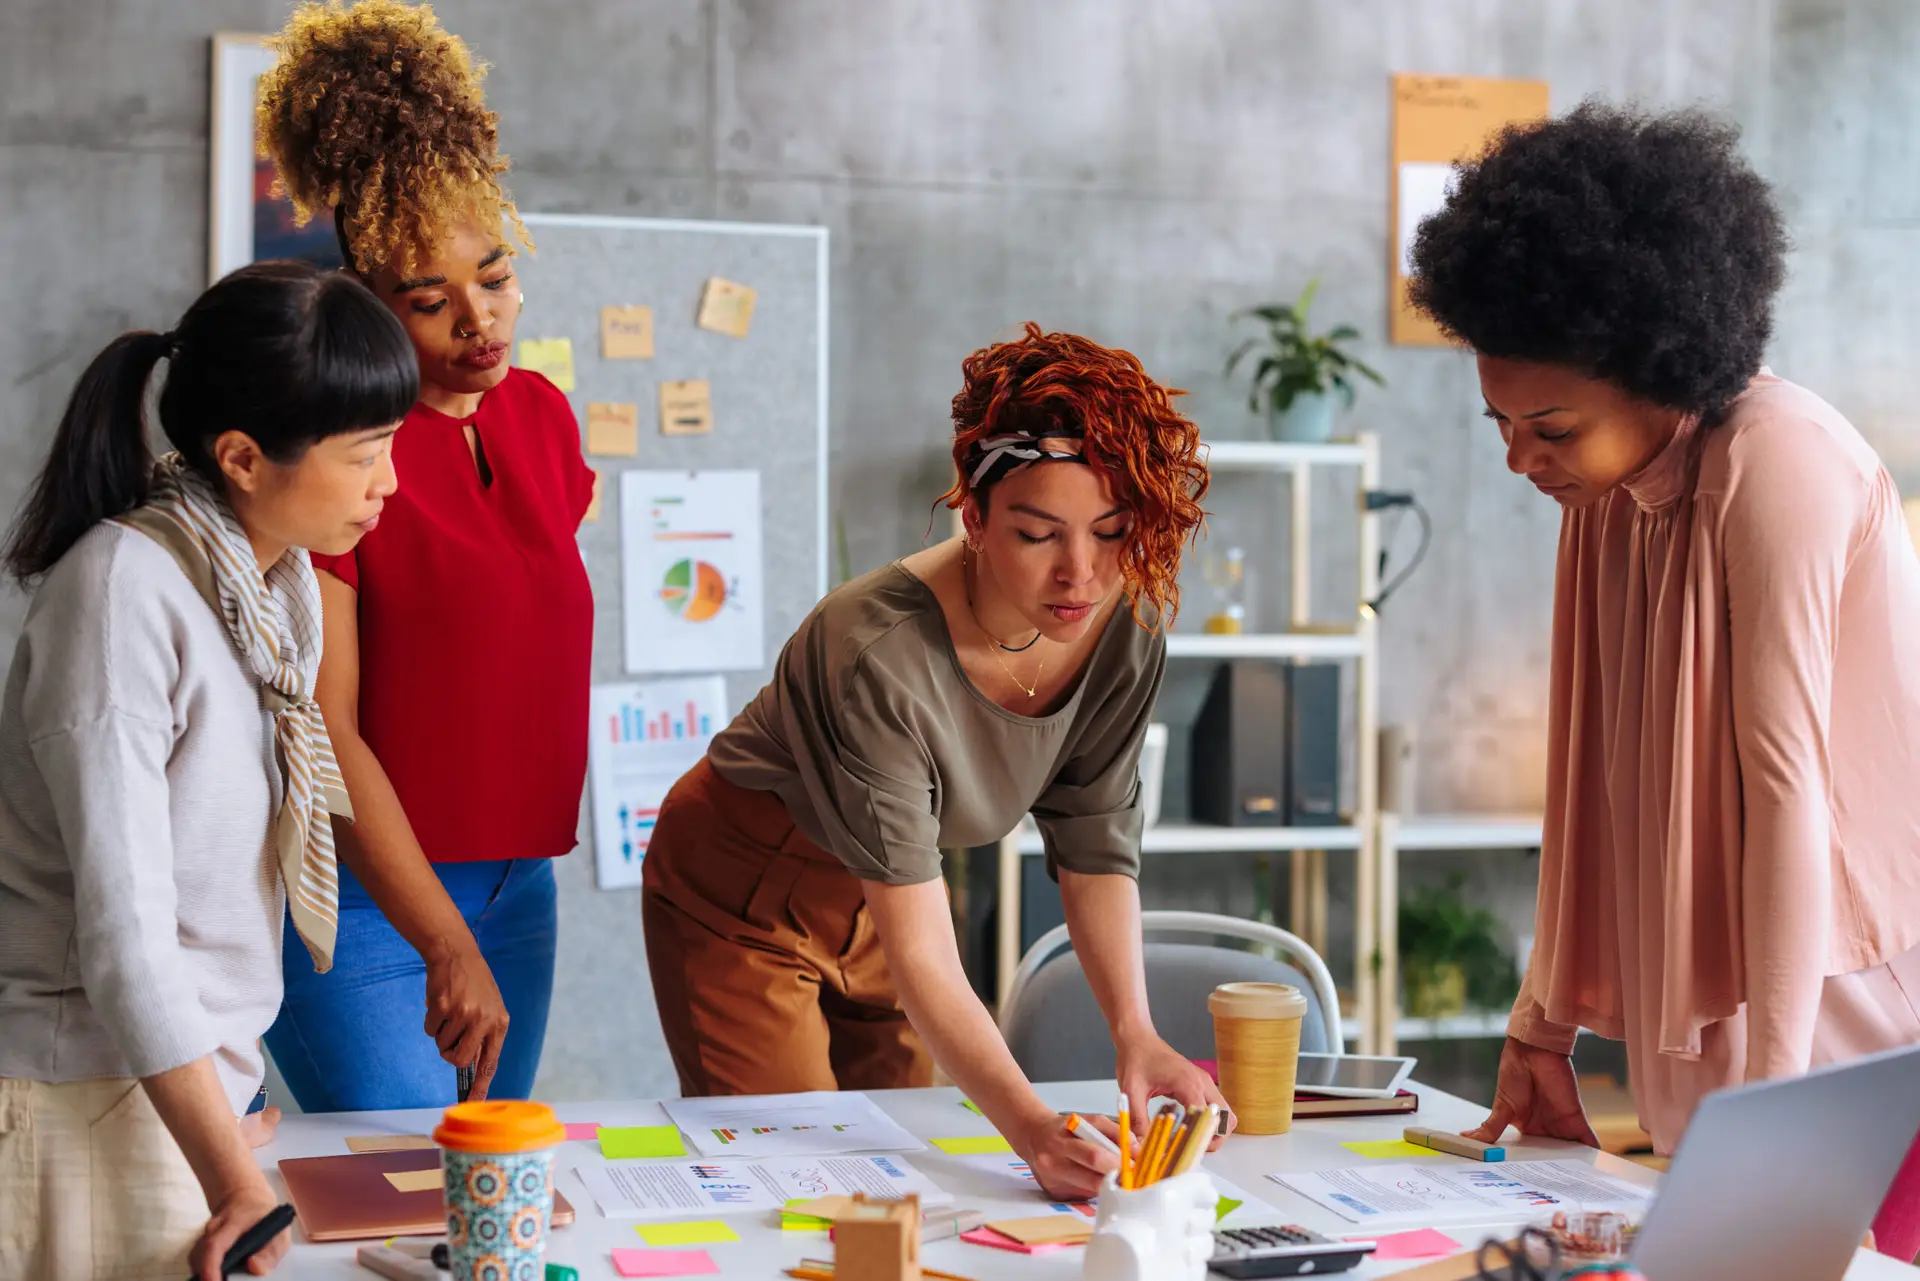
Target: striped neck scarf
x: 274, y: 622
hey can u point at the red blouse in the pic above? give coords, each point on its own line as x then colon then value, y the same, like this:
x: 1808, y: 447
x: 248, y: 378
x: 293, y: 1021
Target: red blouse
x: 476, y: 627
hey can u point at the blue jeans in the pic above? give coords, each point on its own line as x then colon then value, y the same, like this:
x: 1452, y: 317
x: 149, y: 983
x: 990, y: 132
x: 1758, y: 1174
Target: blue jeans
x: 353, y: 1039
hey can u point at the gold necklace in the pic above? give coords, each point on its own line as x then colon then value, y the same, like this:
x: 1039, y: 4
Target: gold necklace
x: 1031, y: 691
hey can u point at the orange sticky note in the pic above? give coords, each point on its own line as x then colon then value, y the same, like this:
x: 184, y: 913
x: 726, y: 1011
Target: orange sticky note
x: 626, y: 333
x: 416, y: 1181
x: 390, y: 1143
x: 686, y: 408
x: 726, y: 307
x: 593, y: 507
x: 613, y: 428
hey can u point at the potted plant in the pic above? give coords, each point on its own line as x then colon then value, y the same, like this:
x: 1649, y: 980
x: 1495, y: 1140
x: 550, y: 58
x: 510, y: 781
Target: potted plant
x: 1450, y: 954
x: 1299, y: 371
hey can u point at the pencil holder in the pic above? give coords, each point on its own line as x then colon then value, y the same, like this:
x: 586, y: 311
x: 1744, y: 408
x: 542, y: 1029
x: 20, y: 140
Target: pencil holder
x: 1162, y: 1232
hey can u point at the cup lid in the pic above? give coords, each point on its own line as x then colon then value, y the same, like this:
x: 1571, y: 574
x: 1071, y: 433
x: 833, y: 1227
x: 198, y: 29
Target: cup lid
x: 503, y: 1125
x: 1257, y: 1001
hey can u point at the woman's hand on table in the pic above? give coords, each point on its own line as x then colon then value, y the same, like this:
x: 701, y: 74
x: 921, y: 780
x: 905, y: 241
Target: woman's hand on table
x: 1067, y: 1167
x: 1537, y: 1092
x: 236, y: 1212
x: 1149, y: 1069
x: 257, y: 1128
x: 465, y: 1015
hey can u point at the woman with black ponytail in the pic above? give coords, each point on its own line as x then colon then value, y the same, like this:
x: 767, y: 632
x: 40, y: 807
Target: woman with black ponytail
x: 166, y: 783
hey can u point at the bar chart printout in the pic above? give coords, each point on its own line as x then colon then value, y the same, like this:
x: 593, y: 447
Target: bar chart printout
x: 642, y: 737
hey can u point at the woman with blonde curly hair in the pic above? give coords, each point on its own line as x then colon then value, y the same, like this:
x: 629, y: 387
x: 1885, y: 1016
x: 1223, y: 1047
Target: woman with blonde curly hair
x: 793, y: 895
x: 458, y: 635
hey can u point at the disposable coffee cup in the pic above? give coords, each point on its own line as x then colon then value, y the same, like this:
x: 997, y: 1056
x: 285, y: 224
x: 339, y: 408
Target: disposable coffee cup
x: 496, y: 1159
x: 1256, y: 1043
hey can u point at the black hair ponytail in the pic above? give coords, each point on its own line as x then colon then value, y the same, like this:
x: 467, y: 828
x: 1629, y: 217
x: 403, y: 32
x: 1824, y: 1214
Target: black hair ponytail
x: 100, y: 465
x: 287, y: 352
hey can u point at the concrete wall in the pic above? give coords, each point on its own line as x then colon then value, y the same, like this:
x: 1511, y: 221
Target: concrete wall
x: 1129, y: 169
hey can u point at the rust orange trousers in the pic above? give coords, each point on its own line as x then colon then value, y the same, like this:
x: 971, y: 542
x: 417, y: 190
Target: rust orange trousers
x: 765, y: 965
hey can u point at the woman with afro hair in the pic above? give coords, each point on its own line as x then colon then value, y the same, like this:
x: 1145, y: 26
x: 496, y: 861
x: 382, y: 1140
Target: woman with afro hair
x: 458, y: 634
x: 797, y: 926
x: 1729, y: 879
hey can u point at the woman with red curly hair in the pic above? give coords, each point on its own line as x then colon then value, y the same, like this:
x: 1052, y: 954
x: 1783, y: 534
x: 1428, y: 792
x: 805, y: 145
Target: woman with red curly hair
x: 797, y: 927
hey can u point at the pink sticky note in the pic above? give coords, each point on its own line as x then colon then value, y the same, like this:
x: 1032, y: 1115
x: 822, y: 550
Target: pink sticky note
x: 586, y: 1131
x: 664, y: 1263
x: 1210, y: 1066
x: 1423, y: 1244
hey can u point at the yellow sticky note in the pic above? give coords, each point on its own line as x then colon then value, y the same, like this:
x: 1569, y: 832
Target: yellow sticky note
x: 550, y: 356
x: 628, y: 1141
x: 389, y: 1143
x: 613, y: 429
x: 1381, y: 1149
x: 973, y: 1145
x: 726, y: 308
x: 626, y: 333
x: 698, y: 1232
x: 686, y: 408
x: 593, y: 507
x: 416, y: 1181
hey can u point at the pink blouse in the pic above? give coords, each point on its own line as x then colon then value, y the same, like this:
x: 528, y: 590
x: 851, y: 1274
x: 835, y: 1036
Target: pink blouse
x: 1733, y: 781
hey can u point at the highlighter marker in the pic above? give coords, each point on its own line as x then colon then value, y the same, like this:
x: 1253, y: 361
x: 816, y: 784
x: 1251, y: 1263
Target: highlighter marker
x: 1081, y: 1128
x: 1454, y: 1144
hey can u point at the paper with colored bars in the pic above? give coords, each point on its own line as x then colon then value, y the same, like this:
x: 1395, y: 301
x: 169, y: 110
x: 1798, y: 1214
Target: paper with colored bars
x: 1425, y: 1195
x: 820, y: 1123
x: 679, y: 1189
x: 643, y: 736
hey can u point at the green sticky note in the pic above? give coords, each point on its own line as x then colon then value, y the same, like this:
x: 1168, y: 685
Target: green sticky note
x: 1224, y: 1206
x: 973, y: 1145
x: 1382, y: 1149
x: 972, y: 1107
x: 791, y: 1222
x: 698, y: 1232
x: 628, y: 1141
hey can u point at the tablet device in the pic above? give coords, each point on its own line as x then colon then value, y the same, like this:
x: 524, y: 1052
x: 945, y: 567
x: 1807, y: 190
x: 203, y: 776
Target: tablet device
x: 1352, y: 1076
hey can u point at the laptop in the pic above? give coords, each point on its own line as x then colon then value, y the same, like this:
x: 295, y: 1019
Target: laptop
x: 1779, y: 1181
x: 350, y: 1198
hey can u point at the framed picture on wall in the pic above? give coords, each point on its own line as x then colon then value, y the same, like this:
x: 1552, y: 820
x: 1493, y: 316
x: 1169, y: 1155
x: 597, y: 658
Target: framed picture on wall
x: 246, y: 222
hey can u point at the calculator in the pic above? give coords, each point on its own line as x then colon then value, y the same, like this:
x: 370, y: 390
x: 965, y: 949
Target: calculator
x: 1282, y: 1252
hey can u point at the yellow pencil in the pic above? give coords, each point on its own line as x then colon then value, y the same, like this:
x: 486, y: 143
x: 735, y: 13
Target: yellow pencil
x: 1197, y: 1143
x: 1157, y: 1140
x: 1143, y: 1168
x: 1177, y: 1144
x: 1126, y: 1144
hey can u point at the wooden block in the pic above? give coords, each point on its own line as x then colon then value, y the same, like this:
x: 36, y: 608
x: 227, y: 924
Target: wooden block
x: 726, y: 308
x: 686, y: 408
x: 877, y: 1241
x: 613, y: 428
x: 626, y: 333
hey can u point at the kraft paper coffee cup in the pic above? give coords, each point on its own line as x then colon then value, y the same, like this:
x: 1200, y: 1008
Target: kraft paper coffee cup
x: 1256, y: 1040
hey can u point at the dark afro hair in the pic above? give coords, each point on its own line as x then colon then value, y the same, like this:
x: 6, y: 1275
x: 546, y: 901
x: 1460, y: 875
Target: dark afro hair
x: 1636, y: 248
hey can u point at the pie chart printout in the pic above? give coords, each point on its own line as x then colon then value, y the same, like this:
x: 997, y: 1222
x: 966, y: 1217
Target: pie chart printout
x: 694, y: 590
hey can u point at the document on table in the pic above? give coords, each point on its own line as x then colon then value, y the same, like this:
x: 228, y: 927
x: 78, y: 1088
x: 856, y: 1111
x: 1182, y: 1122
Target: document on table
x: 1423, y: 1195
x: 815, y: 1124
x: 676, y: 1189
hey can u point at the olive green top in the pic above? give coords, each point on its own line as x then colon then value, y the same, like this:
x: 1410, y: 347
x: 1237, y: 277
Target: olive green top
x: 885, y: 753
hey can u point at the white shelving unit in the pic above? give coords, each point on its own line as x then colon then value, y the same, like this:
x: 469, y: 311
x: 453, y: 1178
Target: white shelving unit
x: 1304, y: 641
x: 1417, y: 834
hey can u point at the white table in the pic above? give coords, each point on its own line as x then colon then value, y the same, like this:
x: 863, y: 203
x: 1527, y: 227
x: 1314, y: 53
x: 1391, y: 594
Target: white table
x: 763, y: 1251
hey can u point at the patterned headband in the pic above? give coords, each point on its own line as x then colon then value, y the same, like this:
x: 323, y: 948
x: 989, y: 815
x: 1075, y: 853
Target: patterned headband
x: 1026, y: 450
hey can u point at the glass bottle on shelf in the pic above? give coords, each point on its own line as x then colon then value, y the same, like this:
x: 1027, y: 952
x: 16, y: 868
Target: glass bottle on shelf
x: 1226, y: 574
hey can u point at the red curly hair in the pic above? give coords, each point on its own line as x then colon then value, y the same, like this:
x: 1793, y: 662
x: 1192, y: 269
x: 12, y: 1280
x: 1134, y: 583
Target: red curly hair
x: 1043, y: 384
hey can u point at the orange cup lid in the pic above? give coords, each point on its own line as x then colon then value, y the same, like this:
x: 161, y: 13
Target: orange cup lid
x: 504, y: 1125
